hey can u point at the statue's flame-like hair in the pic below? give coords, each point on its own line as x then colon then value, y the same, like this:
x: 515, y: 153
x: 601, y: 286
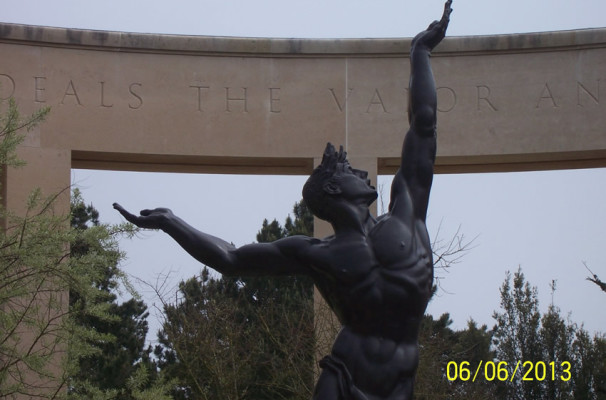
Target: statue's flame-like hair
x: 314, y: 195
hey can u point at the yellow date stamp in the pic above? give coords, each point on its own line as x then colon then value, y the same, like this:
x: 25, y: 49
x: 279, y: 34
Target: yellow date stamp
x: 502, y: 371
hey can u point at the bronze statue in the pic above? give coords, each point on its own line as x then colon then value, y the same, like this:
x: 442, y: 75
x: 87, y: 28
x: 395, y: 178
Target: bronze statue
x: 375, y: 274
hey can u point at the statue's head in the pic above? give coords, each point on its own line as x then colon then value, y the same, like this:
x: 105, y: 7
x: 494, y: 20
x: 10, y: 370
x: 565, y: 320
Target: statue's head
x: 335, y: 182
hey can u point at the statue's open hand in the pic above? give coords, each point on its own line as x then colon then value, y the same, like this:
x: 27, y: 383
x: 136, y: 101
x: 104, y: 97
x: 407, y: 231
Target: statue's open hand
x: 148, y: 219
x: 436, y: 31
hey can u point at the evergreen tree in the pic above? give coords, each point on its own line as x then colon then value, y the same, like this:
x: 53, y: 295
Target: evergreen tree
x: 436, y: 342
x: 566, y: 362
x: 599, y: 374
x: 242, y: 337
x: 204, y: 341
x: 117, y: 351
x: 516, y: 333
x: 556, y: 336
x: 589, y: 371
x: 283, y: 309
x: 442, y: 352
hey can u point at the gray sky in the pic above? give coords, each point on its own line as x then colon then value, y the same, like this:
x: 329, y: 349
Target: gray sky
x: 546, y: 222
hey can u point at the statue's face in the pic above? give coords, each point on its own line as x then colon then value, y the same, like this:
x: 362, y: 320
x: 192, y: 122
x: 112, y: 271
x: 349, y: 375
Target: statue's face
x: 354, y: 184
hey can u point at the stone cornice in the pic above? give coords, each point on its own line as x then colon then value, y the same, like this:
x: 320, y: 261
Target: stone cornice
x: 281, y: 47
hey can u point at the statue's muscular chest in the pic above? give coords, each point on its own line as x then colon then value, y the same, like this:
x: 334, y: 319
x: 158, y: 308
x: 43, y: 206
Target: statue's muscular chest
x: 388, y: 261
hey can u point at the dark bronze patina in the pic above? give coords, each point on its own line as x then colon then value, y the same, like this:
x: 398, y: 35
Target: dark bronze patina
x: 375, y: 273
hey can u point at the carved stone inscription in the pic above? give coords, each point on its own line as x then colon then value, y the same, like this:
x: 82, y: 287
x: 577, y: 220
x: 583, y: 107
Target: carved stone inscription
x: 148, y: 103
x: 197, y: 97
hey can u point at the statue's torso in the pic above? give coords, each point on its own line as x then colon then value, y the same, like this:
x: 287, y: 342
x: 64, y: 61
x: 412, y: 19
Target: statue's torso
x: 379, y: 283
x: 379, y: 286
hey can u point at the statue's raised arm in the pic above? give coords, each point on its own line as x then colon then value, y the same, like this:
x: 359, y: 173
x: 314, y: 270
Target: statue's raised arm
x: 419, y: 150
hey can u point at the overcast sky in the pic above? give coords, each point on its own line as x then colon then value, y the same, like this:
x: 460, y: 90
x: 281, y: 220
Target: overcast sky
x: 546, y: 222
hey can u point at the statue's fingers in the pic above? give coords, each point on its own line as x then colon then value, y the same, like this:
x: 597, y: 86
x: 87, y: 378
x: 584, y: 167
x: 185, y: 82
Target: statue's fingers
x: 127, y: 215
x: 447, y: 10
x: 121, y: 209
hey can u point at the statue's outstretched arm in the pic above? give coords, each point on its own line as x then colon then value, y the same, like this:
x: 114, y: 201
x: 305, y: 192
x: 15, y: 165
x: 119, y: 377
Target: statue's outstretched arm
x: 419, y: 150
x: 282, y: 257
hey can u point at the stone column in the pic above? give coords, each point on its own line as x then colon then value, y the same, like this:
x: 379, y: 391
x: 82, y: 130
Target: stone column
x: 49, y: 170
x: 46, y: 169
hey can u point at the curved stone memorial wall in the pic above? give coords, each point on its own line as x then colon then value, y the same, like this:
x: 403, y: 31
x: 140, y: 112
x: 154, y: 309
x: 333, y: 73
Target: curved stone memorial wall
x: 250, y: 105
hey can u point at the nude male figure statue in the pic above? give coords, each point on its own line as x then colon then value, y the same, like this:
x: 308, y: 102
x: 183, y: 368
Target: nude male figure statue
x: 375, y: 274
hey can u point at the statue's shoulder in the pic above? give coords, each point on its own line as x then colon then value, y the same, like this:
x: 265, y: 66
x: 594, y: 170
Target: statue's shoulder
x: 309, y: 240
x: 298, y: 246
x: 319, y: 249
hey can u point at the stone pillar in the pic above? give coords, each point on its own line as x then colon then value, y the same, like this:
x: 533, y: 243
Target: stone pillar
x: 49, y: 170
